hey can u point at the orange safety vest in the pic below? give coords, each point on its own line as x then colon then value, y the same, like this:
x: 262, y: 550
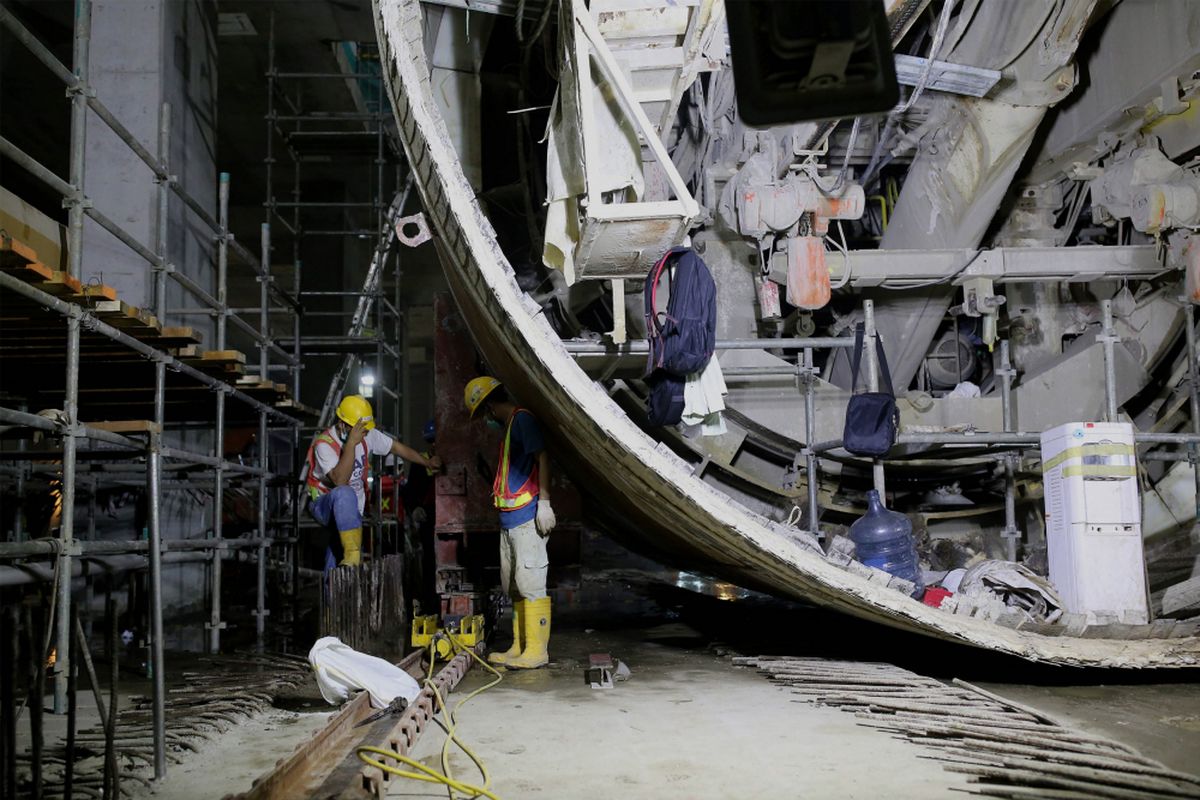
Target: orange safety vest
x: 503, y: 498
x: 316, y: 486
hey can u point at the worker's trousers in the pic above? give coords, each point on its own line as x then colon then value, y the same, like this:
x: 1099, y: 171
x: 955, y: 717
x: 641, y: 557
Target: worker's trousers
x: 339, y: 506
x: 336, y: 510
x: 523, y: 562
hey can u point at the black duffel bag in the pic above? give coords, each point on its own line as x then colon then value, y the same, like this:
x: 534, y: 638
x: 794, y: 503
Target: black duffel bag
x: 872, y: 419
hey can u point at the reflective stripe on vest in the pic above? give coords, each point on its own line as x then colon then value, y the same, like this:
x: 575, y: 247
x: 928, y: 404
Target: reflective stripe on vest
x: 317, y: 486
x: 503, y: 498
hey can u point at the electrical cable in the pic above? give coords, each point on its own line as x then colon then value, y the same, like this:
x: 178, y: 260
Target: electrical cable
x: 839, y: 183
x: 938, y: 35
x: 450, y: 723
x: 893, y: 116
x: 1080, y: 198
x: 936, y: 281
x: 845, y: 278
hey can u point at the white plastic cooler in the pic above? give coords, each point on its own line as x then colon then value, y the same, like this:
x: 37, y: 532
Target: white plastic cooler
x: 1094, y: 522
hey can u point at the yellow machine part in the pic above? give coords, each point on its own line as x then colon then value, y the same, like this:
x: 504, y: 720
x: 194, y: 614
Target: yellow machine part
x: 425, y: 629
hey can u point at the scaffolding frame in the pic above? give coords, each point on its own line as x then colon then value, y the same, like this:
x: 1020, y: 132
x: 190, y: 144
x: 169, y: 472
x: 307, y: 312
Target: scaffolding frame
x: 1015, y: 442
x: 68, y: 550
x: 372, y: 308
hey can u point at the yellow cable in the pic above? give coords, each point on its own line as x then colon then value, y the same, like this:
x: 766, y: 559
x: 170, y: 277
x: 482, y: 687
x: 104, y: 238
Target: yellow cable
x: 452, y: 715
x: 426, y: 773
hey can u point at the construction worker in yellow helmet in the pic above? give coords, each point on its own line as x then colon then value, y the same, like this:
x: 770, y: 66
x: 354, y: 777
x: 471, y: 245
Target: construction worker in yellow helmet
x: 338, y: 466
x: 521, y: 493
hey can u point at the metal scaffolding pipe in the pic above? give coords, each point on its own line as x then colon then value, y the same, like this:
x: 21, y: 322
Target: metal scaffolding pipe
x: 222, y: 255
x: 872, y: 357
x: 78, y: 84
x: 164, y: 152
x: 67, y: 521
x: 31, y: 573
x: 82, y: 431
x: 121, y: 235
x: 264, y: 320
x: 154, y: 520
x: 34, y: 46
x: 33, y: 166
x: 1015, y: 439
x: 335, y: 75
x: 199, y: 458
x: 810, y: 433
x: 48, y: 547
x: 260, y: 614
x: 319, y: 116
x: 215, y: 624
x: 1010, y: 533
x: 641, y: 346
x: 1108, y: 337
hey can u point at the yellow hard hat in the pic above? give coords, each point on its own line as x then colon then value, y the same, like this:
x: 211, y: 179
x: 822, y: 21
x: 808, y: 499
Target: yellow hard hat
x: 355, y: 407
x: 477, y: 391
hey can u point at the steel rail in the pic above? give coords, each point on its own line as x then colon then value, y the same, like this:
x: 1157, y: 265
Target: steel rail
x: 329, y: 749
x: 353, y: 778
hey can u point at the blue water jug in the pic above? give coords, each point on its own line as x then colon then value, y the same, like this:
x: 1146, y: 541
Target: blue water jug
x: 883, y: 539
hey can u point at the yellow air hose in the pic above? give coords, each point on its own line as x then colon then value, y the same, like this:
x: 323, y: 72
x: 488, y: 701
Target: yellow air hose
x: 425, y: 773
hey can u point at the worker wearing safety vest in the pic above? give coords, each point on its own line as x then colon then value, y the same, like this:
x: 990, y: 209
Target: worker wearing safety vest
x: 521, y: 492
x: 338, y: 465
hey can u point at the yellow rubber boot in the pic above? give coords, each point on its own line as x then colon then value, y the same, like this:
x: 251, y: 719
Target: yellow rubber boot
x: 537, y: 636
x: 351, y: 547
x: 518, y: 636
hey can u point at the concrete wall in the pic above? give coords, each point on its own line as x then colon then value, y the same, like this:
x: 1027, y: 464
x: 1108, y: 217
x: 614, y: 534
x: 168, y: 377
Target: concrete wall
x: 129, y: 80
x: 174, y: 60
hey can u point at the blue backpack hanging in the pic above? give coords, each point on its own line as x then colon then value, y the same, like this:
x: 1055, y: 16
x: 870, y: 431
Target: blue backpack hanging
x: 682, y: 339
x: 872, y: 419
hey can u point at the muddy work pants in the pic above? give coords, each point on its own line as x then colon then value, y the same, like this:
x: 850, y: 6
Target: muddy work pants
x: 523, y: 562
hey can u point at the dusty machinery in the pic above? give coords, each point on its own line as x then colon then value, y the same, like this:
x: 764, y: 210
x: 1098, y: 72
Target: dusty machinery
x: 1018, y: 232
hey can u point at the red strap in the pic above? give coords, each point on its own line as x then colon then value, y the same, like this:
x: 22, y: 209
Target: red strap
x: 658, y: 269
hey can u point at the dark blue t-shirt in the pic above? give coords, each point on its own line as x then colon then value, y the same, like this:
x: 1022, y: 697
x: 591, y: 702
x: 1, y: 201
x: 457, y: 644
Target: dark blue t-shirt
x: 524, y: 445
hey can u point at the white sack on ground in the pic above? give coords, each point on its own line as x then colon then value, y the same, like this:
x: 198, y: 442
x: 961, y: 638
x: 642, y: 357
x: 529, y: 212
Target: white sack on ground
x: 342, y: 670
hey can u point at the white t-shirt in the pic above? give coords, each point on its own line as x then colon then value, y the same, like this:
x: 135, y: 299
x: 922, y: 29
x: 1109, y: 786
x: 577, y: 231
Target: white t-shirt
x: 376, y: 441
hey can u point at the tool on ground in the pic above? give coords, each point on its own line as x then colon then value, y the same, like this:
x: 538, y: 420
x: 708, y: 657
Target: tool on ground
x: 397, y: 707
x: 603, y: 670
x: 600, y: 670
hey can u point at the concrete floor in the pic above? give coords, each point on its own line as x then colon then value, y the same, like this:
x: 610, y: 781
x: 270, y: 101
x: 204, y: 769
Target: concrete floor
x: 690, y: 725
x: 686, y: 725
x: 230, y: 764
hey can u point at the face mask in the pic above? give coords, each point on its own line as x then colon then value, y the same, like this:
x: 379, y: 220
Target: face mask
x: 494, y: 424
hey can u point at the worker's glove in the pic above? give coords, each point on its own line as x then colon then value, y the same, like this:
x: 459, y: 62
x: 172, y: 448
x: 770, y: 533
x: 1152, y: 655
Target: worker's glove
x: 545, y: 518
x: 419, y: 516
